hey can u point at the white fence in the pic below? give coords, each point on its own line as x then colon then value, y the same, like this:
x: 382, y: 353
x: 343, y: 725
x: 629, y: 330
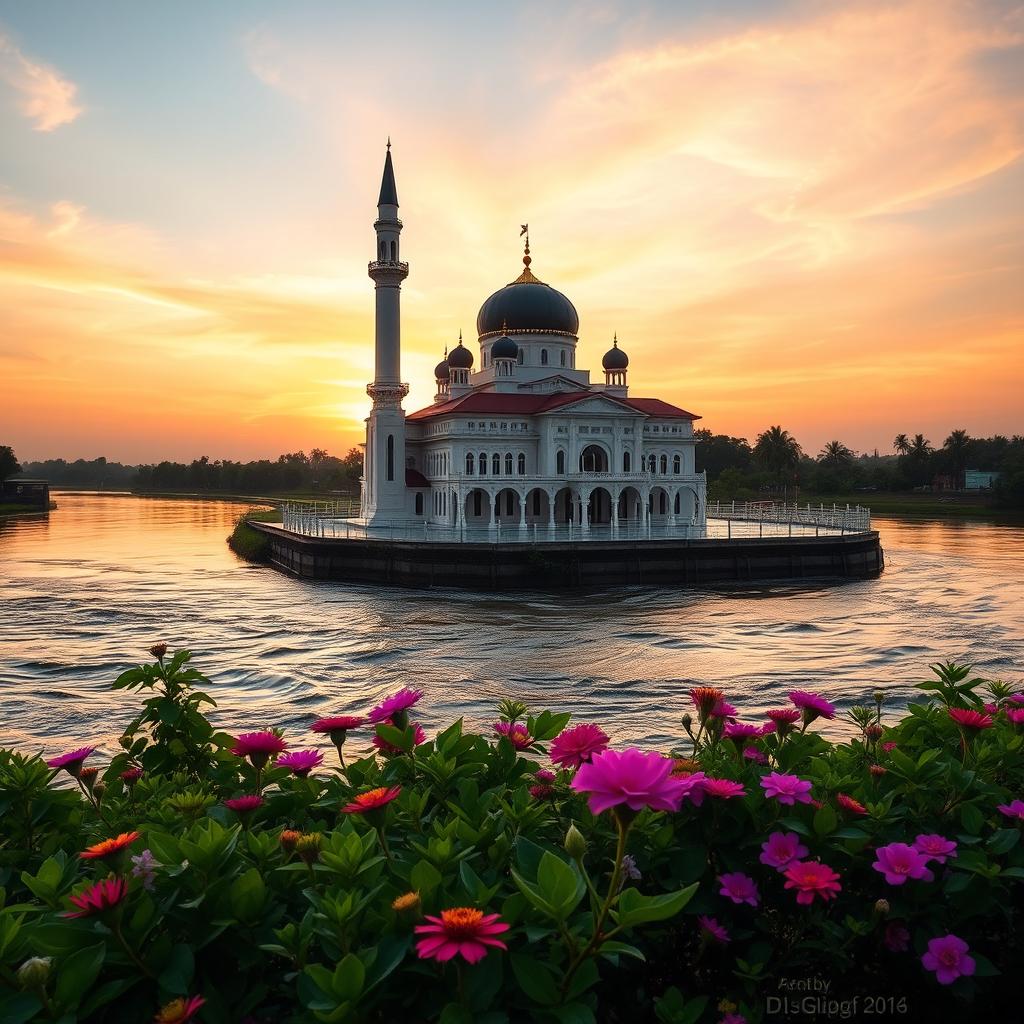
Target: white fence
x: 838, y: 518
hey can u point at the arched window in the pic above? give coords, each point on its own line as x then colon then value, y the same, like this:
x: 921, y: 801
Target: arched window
x: 543, y: 356
x: 521, y: 357
x: 562, y: 354
x: 593, y: 459
x: 536, y: 503
x: 664, y: 502
x: 469, y: 463
x: 664, y: 465
x: 483, y: 463
x: 560, y: 463
x: 677, y: 466
x: 394, y: 251
x: 508, y: 503
x: 508, y: 463
x: 677, y: 501
x: 626, y: 462
x: 652, y: 464
x: 522, y: 464
x: 391, y: 456
x: 495, y: 464
x: 478, y: 503
x: 419, y: 503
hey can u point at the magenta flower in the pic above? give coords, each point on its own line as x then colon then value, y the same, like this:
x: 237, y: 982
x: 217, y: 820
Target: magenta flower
x: 781, y: 849
x: 712, y: 929
x: 98, y: 898
x: 258, y: 746
x: 897, y: 937
x: 576, y: 746
x: 787, y: 789
x: 740, y: 732
x: 1016, y: 717
x: 244, y: 804
x: 769, y: 728
x: 889, y: 746
x: 542, y: 791
x: 395, y: 704
x: 339, y: 724
x: 693, y: 787
x: 543, y: 775
x: 898, y: 862
x: 461, y: 931
x: 301, y: 762
x: 784, y: 719
x: 972, y: 721
x: 723, y: 709
x: 812, y: 878
x: 755, y: 755
x: 935, y: 847
x: 516, y: 733
x: 739, y: 888
x: 1016, y: 698
x: 71, y: 762
x: 811, y: 705
x: 419, y: 736
x: 1014, y: 809
x: 947, y: 957
x: 733, y: 1018
x: 629, y: 777
x: 722, y: 789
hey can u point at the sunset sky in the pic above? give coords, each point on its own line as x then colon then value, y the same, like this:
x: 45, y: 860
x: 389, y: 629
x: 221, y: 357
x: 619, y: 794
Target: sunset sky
x: 800, y: 213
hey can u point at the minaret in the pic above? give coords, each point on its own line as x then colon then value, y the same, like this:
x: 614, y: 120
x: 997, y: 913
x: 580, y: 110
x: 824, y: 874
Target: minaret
x: 384, y: 494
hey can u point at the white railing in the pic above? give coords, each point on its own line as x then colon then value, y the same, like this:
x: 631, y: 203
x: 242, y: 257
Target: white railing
x: 840, y: 518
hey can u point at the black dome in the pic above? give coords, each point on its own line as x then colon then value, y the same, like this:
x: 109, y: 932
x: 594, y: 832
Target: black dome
x: 527, y: 306
x: 441, y: 371
x: 460, y: 357
x: 615, y: 358
x: 504, y: 348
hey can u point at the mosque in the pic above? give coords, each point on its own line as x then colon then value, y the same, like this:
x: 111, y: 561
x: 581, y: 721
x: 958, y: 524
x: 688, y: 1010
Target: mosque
x: 519, y: 440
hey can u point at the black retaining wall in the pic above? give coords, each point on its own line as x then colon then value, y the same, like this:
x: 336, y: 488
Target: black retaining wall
x: 575, y: 564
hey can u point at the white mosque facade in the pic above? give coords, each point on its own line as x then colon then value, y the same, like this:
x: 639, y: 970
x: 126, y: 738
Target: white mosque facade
x: 518, y: 441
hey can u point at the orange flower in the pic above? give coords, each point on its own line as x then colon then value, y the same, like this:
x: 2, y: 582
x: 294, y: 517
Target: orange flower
x: 407, y: 901
x: 109, y: 847
x: 179, y: 1011
x: 289, y: 837
x: 374, y: 800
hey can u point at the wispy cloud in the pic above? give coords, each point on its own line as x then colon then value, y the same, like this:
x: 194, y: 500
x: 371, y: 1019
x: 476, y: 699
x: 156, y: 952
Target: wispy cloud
x: 43, y: 94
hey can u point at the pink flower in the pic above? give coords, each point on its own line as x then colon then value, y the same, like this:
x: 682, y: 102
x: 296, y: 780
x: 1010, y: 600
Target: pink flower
x: 543, y: 775
x: 516, y: 733
x: 395, y: 704
x: 812, y: 878
x: 144, y: 866
x: 768, y: 729
x: 131, y: 775
x: 337, y: 724
x: 301, y: 762
x: 258, y: 746
x: 181, y: 1011
x: 723, y: 709
x: 244, y: 804
x: 733, y: 1018
x: 542, y: 791
x: 973, y: 721
x: 704, y: 699
x: 947, y: 957
x: 739, y: 888
x: 740, y: 732
x: 576, y: 746
x: 1014, y: 809
x: 877, y: 770
x: 629, y: 777
x: 898, y: 862
x: 723, y: 789
x: 897, y: 937
x: 889, y: 746
x: 712, y: 929
x: 98, y: 898
x: 755, y: 755
x: 849, y: 804
x: 461, y: 931
x: 1016, y: 698
x: 1016, y: 717
x: 787, y: 789
x: 693, y: 787
x: 991, y: 708
x: 784, y: 716
x: 71, y: 762
x: 811, y: 705
x: 781, y: 849
x: 419, y: 736
x: 935, y: 847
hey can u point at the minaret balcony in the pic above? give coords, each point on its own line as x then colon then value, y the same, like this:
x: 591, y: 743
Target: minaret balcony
x: 388, y: 267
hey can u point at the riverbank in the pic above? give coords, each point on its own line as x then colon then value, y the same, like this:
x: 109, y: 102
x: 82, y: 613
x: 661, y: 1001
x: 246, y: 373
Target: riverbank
x: 10, y: 511
x: 913, y: 505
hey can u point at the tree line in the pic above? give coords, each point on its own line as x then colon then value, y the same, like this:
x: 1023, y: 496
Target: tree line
x: 777, y: 464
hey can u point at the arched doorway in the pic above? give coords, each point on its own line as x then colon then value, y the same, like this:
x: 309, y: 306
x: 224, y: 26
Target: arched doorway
x: 594, y: 459
x: 507, y: 507
x: 538, y: 507
x: 660, y: 505
x: 564, y: 507
x: 600, y: 507
x: 630, y: 506
x: 477, y: 508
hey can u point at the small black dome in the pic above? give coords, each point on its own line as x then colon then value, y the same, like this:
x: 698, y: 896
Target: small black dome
x: 615, y: 358
x: 504, y: 348
x: 460, y: 357
x: 441, y: 371
x: 527, y: 306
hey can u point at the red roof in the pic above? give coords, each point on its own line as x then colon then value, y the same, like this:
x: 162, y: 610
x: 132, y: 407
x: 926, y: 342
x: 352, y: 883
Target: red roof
x: 511, y: 404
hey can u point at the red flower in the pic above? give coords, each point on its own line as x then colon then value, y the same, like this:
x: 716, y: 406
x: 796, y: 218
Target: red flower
x: 724, y: 789
x: 516, y: 733
x: 244, y: 804
x: 99, y: 898
x: 849, y: 804
x: 258, y: 746
x: 372, y: 801
x: 704, y: 699
x: 812, y: 878
x: 179, y: 1011
x: 542, y: 791
x: 131, y: 775
x: 461, y: 931
x: 337, y: 723
x: 108, y: 847
x: 975, y: 721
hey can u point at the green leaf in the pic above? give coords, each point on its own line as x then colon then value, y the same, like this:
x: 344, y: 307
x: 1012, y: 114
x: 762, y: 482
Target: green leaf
x: 177, y: 975
x: 535, y: 979
x: 347, y: 980
x: 824, y: 820
x: 77, y: 973
x: 1003, y: 840
x: 635, y: 908
x: 424, y: 877
x: 610, y: 949
x: 560, y: 884
x: 971, y: 819
x: 248, y: 894
x: 455, y: 1014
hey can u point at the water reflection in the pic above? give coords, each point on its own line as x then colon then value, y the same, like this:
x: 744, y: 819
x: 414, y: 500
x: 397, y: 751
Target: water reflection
x: 88, y: 590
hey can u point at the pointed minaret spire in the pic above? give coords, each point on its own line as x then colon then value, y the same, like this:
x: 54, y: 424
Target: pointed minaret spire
x: 388, y: 190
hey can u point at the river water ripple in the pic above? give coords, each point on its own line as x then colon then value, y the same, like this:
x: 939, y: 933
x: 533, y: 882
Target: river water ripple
x: 84, y: 593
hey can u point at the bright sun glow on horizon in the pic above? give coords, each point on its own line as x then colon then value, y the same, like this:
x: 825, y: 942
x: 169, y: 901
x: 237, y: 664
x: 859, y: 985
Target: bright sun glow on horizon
x: 791, y: 212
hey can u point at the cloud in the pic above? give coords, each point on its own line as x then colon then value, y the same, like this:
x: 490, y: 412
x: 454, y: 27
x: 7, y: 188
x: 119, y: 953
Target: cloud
x: 44, y: 95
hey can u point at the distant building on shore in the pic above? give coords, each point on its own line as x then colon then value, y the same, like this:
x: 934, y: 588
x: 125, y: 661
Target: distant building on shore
x: 31, y: 493
x: 518, y: 436
x: 979, y: 479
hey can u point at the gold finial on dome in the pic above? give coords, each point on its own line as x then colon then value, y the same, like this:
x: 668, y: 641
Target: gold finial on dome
x: 526, y: 277
x: 615, y: 340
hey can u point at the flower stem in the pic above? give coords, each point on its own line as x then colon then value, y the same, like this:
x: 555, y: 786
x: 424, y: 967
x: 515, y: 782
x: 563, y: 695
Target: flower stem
x: 116, y: 928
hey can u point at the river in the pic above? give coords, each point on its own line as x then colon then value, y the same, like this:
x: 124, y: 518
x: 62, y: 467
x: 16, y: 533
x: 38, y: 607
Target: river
x: 86, y: 591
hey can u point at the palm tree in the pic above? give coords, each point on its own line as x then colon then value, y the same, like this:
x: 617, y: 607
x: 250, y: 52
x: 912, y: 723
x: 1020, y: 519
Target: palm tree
x: 901, y: 444
x: 957, y: 446
x: 835, y: 454
x: 920, y: 448
x: 777, y: 450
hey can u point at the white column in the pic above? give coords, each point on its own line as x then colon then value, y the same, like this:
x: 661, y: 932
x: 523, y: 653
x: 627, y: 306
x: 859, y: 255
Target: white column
x: 522, y: 509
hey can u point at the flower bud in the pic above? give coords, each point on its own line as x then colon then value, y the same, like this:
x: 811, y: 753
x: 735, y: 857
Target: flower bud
x: 34, y: 972
x: 158, y: 651
x: 408, y: 905
x: 575, y: 845
x: 307, y: 846
x: 881, y: 907
x: 879, y: 696
x: 88, y: 777
x: 687, y: 721
x: 98, y: 789
x: 288, y: 839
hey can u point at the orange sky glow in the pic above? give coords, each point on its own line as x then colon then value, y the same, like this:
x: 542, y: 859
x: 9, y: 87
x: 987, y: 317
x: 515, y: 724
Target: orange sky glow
x: 806, y: 214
